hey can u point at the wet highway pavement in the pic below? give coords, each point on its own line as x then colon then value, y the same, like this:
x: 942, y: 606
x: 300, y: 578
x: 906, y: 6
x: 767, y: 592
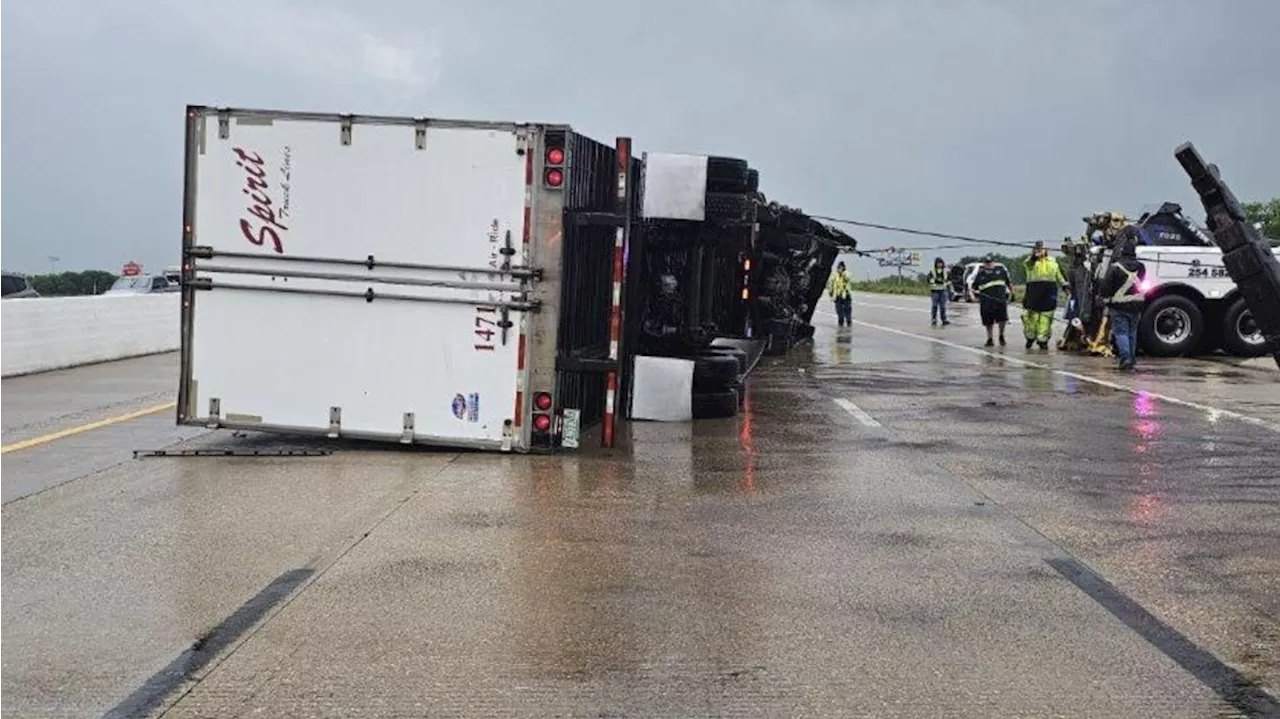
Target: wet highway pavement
x: 901, y: 523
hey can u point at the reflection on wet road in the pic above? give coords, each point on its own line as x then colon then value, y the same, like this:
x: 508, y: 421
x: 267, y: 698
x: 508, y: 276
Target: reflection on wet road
x: 986, y: 546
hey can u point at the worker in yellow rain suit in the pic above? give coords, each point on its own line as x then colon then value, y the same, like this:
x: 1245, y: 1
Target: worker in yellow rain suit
x: 1044, y: 279
x: 840, y: 287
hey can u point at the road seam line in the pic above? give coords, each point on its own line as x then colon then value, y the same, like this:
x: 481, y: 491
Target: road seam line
x: 1201, y: 663
x: 71, y: 431
x: 857, y: 412
x: 320, y: 566
x: 1213, y: 412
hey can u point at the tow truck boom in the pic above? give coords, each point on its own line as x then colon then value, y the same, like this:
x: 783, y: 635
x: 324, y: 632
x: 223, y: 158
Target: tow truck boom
x: 1246, y: 255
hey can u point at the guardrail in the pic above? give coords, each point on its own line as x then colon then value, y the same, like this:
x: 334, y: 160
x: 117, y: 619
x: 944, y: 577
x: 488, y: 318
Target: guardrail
x: 48, y: 333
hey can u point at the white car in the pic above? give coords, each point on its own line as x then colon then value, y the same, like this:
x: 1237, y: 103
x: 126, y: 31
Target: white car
x: 141, y: 284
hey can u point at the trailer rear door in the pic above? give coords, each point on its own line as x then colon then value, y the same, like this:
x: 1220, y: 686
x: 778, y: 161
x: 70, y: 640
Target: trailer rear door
x: 360, y: 278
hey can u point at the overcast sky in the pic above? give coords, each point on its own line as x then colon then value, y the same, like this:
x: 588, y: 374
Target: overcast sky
x: 1000, y: 118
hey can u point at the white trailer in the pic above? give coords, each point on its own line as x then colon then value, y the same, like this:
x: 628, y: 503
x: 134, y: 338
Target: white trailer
x: 398, y: 279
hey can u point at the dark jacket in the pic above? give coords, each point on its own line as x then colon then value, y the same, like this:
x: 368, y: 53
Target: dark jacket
x: 992, y: 285
x: 1116, y: 279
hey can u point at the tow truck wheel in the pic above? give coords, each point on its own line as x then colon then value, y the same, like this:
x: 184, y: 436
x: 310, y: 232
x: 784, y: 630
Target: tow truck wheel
x: 1171, y: 326
x: 1240, y: 334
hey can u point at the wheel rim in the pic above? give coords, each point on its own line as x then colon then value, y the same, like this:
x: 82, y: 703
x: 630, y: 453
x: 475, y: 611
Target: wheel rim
x: 1247, y: 329
x: 1172, y: 325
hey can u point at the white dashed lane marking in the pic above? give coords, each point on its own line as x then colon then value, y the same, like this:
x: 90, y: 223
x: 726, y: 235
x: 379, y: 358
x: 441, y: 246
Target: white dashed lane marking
x: 1214, y: 413
x: 857, y: 412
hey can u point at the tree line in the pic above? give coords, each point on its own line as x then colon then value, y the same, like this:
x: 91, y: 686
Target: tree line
x: 1266, y: 213
x: 72, y: 284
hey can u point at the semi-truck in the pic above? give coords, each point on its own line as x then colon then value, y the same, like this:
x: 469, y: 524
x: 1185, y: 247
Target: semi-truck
x: 454, y: 282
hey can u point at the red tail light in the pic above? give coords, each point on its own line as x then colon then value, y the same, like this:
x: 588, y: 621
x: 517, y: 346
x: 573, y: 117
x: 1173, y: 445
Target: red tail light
x: 555, y: 156
x: 542, y: 401
x: 555, y: 178
x: 542, y: 422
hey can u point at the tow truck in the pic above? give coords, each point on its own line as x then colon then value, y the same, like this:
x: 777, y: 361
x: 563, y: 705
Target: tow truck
x: 1193, y: 306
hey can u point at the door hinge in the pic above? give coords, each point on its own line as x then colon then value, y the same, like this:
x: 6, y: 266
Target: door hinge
x: 335, y: 422
x: 406, y: 437
x: 420, y: 133
x: 344, y: 133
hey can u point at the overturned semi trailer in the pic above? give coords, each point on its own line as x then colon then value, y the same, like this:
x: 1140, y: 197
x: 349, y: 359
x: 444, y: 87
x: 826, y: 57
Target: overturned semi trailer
x: 795, y: 254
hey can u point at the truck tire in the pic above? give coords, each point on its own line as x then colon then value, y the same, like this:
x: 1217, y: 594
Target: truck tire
x: 1171, y: 326
x: 714, y: 372
x: 727, y: 175
x: 753, y: 180
x: 1240, y: 335
x: 733, y: 352
x: 727, y: 206
x: 715, y: 405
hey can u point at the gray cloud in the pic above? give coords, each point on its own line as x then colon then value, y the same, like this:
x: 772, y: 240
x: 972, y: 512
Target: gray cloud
x: 1004, y: 119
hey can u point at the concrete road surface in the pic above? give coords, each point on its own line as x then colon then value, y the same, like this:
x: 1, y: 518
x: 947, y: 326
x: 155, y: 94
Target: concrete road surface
x: 901, y: 523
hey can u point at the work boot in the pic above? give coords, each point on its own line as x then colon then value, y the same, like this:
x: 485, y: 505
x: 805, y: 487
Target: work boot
x: 989, y: 343
x: 1030, y: 343
x: 1002, y: 341
x: 1044, y: 345
x: 946, y: 322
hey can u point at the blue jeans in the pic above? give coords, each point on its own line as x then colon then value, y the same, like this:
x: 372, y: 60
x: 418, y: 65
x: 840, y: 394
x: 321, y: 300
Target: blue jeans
x: 1124, y: 326
x: 844, y: 311
x: 937, y: 305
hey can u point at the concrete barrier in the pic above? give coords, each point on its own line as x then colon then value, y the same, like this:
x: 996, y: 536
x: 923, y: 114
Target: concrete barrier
x: 48, y: 333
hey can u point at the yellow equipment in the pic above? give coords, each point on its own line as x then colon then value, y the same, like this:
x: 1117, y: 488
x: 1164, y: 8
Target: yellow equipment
x: 1088, y: 329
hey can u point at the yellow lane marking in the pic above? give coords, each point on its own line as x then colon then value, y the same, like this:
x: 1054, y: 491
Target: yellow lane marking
x: 62, y: 433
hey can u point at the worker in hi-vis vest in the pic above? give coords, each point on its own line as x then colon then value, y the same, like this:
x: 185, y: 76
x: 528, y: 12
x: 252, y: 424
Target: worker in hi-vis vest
x: 1044, y: 281
x: 938, y: 282
x: 840, y: 287
x: 994, y: 288
x: 1122, y: 290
